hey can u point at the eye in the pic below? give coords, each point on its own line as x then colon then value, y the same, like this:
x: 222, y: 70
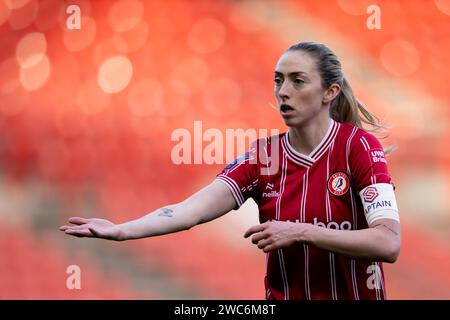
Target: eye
x: 278, y: 81
x: 299, y: 81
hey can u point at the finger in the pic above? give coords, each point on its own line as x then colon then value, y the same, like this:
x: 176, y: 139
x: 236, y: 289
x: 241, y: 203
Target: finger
x: 259, y: 236
x: 263, y: 243
x: 269, y: 248
x: 77, y: 228
x: 63, y: 228
x: 78, y: 220
x: 79, y: 233
x: 254, y: 229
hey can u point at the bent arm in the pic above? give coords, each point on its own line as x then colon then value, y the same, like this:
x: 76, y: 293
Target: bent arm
x: 381, y: 241
x: 207, y: 204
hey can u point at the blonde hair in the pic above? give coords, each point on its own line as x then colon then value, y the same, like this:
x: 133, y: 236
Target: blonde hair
x: 345, y: 108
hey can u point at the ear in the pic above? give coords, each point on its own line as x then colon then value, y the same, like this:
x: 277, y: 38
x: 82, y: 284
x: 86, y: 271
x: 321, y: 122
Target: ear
x: 331, y: 93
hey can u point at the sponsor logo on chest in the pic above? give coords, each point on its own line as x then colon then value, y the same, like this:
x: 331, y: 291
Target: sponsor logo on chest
x: 269, y: 193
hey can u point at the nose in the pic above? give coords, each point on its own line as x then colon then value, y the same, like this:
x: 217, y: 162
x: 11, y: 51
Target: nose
x: 283, y: 92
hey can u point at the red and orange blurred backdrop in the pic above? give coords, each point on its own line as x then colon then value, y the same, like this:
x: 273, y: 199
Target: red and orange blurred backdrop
x: 86, y: 118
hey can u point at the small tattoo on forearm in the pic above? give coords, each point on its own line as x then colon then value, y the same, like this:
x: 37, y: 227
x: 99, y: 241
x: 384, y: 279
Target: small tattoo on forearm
x: 166, y: 212
x: 393, y: 231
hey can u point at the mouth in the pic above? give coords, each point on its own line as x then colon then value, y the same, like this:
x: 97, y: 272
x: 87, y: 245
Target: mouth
x: 285, y: 109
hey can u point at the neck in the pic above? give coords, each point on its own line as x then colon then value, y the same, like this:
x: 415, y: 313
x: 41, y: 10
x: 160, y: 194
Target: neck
x: 304, y: 139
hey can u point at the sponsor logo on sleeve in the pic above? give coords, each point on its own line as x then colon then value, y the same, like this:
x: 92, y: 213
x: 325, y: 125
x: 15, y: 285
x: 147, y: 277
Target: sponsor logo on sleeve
x: 370, y: 194
x: 377, y: 156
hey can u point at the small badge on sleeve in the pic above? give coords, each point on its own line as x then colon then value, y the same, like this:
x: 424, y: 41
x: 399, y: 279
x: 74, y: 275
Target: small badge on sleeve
x: 338, y: 183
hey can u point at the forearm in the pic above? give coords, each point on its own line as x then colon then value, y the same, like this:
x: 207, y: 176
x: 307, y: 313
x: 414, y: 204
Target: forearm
x: 165, y: 220
x: 371, y: 243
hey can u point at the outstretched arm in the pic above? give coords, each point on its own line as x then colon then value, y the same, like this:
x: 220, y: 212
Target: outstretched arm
x: 207, y: 204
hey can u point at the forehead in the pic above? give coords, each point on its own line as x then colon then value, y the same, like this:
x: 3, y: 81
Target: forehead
x: 296, y: 61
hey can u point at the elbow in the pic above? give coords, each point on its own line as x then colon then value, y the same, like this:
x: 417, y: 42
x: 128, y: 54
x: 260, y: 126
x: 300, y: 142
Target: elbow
x: 392, y: 252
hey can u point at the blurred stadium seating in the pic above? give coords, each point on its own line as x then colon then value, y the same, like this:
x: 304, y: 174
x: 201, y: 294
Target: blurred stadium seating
x: 86, y: 118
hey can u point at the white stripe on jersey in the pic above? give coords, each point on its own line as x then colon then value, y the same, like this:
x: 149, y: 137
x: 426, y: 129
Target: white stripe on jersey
x: 332, y: 276
x: 329, y: 218
x: 330, y: 139
x: 365, y: 143
x: 354, y: 215
x: 307, y: 288
x: 324, y: 141
x: 377, y: 279
x: 382, y: 282
x: 278, y: 214
x: 303, y: 219
x: 283, y: 274
x: 232, y: 185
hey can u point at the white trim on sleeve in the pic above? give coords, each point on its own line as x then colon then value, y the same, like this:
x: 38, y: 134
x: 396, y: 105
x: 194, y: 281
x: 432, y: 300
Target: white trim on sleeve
x: 234, y: 188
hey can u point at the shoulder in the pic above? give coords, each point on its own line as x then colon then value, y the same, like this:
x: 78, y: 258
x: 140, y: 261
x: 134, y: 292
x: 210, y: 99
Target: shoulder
x: 264, y: 144
x: 358, y: 138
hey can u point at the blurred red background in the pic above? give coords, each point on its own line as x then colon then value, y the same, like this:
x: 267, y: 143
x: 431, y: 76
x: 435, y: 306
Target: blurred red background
x: 86, y: 118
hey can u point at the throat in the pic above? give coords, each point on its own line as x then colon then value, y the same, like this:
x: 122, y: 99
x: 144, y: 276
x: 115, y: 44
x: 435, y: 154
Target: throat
x: 306, y: 140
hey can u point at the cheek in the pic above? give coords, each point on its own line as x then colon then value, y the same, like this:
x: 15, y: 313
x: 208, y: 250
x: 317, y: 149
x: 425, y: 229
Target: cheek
x: 311, y: 97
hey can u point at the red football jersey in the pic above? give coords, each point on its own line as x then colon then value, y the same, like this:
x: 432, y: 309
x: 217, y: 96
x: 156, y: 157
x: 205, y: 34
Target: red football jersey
x: 323, y: 189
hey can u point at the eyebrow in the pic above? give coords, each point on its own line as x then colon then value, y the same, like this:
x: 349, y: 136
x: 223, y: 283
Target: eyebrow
x: 294, y: 73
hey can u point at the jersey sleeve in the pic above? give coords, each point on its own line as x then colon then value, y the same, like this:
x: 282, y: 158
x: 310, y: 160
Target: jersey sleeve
x: 368, y: 162
x: 240, y: 176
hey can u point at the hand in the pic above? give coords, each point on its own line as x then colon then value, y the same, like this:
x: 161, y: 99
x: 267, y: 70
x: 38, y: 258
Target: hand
x: 93, y: 228
x: 272, y: 235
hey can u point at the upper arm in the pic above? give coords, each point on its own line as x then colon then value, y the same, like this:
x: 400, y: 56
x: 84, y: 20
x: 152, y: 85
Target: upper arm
x: 367, y: 161
x: 209, y: 203
x: 373, y: 182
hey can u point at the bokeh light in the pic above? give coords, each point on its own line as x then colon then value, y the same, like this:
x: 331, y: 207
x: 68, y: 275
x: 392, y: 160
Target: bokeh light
x: 22, y: 16
x: 133, y: 39
x: 34, y: 76
x: 86, y: 118
x: 124, y: 15
x: 115, y: 74
x: 400, y: 58
x: 443, y: 6
x: 31, y: 49
x: 250, y: 16
x: 206, y: 35
x: 15, y: 4
x: 4, y: 12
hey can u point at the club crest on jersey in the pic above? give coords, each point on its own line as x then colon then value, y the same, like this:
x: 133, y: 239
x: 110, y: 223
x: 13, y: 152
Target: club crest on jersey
x: 338, y: 183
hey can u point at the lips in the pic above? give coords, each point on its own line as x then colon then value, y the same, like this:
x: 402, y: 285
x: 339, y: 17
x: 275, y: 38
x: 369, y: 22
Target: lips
x: 284, y: 108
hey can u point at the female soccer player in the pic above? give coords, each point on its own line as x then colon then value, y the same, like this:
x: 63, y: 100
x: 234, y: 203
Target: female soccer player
x: 326, y: 201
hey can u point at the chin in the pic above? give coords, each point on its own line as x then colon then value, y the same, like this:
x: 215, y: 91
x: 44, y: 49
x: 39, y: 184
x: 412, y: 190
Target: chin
x: 292, y: 122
